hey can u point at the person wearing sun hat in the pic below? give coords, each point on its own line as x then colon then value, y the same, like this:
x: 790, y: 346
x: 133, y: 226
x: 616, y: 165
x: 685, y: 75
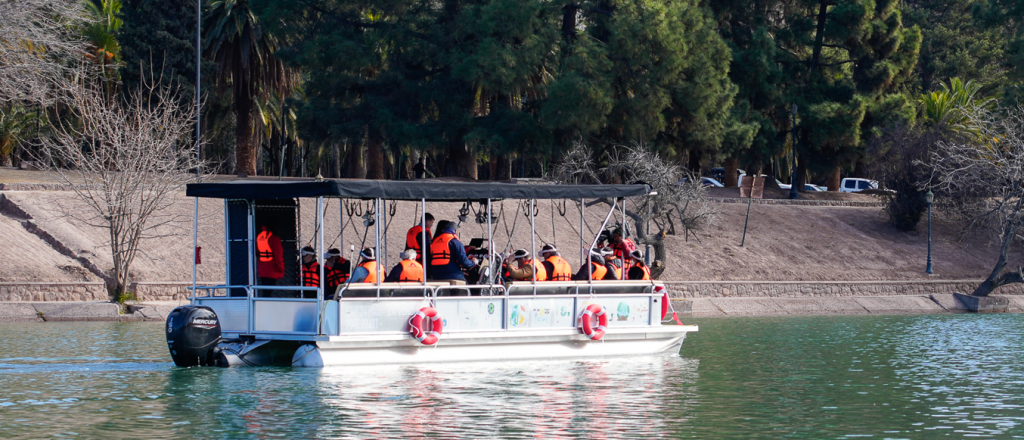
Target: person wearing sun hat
x: 557, y: 268
x: 367, y: 270
x: 638, y: 269
x: 596, y: 269
x: 612, y: 263
x: 525, y: 267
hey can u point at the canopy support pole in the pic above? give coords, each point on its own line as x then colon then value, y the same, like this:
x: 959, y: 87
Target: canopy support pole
x: 320, y: 249
x: 376, y: 233
x: 424, y: 246
x: 490, y: 249
x: 533, y: 247
x: 594, y: 243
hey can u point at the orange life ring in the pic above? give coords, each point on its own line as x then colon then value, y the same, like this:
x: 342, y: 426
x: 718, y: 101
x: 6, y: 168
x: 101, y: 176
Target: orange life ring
x: 664, y: 301
x: 602, y: 322
x: 416, y: 326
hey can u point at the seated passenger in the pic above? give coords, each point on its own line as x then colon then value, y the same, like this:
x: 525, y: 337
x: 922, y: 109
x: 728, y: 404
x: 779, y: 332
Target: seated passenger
x: 622, y: 247
x: 556, y: 267
x: 336, y: 270
x: 524, y: 267
x: 310, y: 271
x: 638, y: 269
x: 448, y: 255
x: 406, y: 271
x: 595, y: 270
x: 613, y: 264
x: 367, y: 270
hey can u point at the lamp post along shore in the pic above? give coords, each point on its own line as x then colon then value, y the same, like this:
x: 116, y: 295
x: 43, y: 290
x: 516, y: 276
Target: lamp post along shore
x: 792, y: 179
x: 929, y: 198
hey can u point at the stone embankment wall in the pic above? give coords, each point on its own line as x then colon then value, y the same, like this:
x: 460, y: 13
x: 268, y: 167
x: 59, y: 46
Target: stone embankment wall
x: 93, y: 291
x: 811, y: 289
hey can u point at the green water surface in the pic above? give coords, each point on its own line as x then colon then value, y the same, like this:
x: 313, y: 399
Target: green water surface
x: 954, y: 376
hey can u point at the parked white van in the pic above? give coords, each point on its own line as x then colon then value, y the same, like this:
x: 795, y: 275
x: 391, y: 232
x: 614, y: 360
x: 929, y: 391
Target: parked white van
x: 851, y: 184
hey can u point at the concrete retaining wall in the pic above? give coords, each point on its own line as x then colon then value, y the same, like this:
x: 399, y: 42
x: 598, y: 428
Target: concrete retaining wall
x: 812, y: 289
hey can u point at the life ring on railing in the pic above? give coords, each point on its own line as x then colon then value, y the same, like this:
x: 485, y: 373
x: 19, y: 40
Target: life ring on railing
x: 664, y: 301
x: 416, y: 326
x: 595, y: 334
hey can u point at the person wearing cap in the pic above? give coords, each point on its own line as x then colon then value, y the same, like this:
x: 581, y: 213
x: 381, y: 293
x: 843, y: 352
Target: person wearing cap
x: 612, y: 263
x: 336, y: 270
x: 525, y: 267
x: 622, y: 247
x: 310, y: 269
x: 638, y: 269
x: 406, y: 271
x: 366, y: 271
x: 594, y: 270
x: 448, y: 255
x: 414, y: 238
x: 557, y: 268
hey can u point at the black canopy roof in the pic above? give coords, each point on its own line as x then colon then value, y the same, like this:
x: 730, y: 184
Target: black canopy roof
x: 407, y: 190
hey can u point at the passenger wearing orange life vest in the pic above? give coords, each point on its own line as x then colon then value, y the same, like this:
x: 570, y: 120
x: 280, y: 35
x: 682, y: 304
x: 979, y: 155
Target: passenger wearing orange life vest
x: 270, y: 257
x: 310, y: 271
x: 406, y: 271
x: 447, y: 254
x: 336, y: 270
x: 367, y: 270
x: 557, y: 268
x: 414, y: 238
x: 594, y: 270
x: 525, y: 267
x: 638, y: 270
x: 612, y: 264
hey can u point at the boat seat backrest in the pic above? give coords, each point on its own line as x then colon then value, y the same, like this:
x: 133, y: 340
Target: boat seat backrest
x: 543, y: 288
x: 389, y: 290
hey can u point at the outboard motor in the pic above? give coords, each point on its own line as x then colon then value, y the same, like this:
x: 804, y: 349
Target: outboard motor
x: 192, y: 336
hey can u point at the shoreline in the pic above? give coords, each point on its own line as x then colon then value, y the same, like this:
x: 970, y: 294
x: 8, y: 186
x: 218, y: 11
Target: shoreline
x: 103, y: 311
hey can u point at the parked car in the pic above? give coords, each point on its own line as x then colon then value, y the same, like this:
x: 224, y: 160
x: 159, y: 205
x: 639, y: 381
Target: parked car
x: 807, y: 186
x: 852, y: 184
x: 706, y: 182
x: 718, y: 173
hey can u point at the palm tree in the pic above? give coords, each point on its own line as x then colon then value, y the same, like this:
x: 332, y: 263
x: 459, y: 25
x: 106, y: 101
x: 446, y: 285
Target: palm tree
x: 245, y: 59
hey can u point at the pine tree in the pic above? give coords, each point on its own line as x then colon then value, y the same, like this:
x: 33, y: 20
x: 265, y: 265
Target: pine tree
x: 159, y: 35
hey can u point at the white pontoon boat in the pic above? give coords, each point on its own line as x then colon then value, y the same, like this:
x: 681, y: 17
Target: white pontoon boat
x: 407, y: 323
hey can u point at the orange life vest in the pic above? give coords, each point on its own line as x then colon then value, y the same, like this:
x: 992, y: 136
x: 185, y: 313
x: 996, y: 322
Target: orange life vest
x: 539, y: 269
x: 336, y: 277
x: 371, y: 269
x: 263, y: 246
x: 440, y: 252
x: 562, y: 269
x: 647, y: 271
x: 616, y: 269
x: 311, y: 274
x: 412, y: 272
x: 412, y: 240
x: 597, y: 271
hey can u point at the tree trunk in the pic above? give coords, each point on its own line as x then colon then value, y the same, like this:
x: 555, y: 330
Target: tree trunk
x: 694, y: 161
x: 730, y: 179
x: 833, y: 179
x: 335, y: 159
x: 375, y: 157
x: 997, y: 278
x: 801, y: 173
x: 245, y: 152
x: 569, y: 23
x: 819, y: 35
x: 461, y: 161
x: 356, y: 161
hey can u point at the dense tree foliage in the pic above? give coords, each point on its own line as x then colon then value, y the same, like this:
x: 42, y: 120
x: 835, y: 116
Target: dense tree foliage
x: 158, y: 38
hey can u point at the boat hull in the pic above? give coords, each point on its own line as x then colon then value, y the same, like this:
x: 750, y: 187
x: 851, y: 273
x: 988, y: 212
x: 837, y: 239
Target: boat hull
x: 491, y: 347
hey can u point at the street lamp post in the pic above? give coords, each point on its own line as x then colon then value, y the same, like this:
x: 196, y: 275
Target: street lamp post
x: 792, y: 180
x: 929, y: 197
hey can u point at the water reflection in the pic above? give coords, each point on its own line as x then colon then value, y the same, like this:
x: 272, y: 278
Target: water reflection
x: 794, y: 377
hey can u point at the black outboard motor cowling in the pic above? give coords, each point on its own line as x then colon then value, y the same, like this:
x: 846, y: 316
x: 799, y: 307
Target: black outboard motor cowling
x: 192, y: 336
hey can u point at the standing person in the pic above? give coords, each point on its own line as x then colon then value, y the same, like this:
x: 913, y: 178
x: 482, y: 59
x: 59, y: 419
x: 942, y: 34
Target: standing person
x: 336, y: 270
x: 270, y: 255
x: 406, y: 271
x: 414, y: 238
x: 366, y: 271
x: 638, y: 269
x: 596, y: 271
x: 557, y: 268
x: 525, y: 267
x: 310, y: 270
x: 420, y: 168
x: 448, y: 255
x: 622, y: 247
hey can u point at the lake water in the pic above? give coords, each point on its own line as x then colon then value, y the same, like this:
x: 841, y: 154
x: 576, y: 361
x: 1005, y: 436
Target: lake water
x: 792, y: 377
